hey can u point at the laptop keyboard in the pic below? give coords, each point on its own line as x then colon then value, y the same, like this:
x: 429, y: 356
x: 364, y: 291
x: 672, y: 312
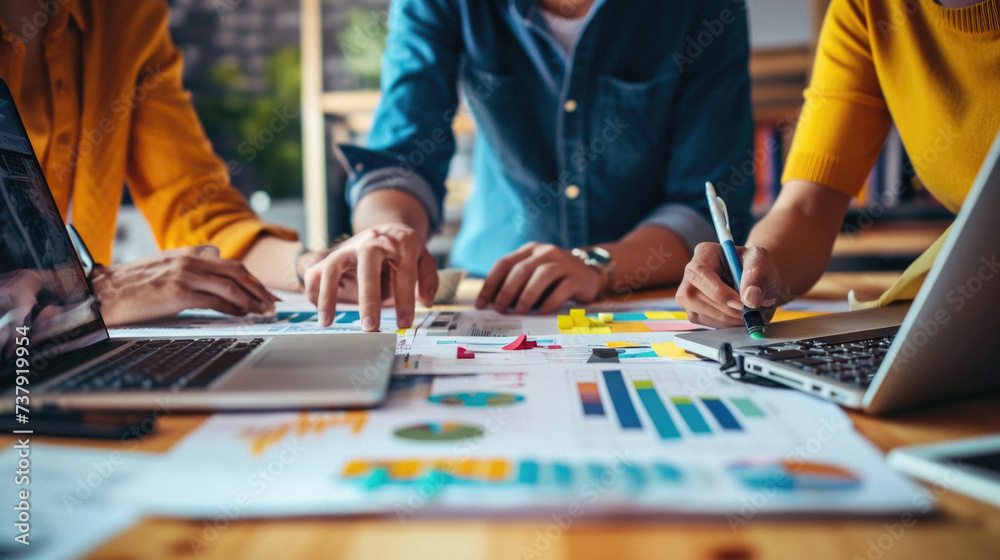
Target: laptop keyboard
x: 852, y: 358
x: 162, y: 364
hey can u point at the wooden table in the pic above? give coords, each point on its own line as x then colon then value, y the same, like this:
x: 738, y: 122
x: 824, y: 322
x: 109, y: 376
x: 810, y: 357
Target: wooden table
x: 962, y: 528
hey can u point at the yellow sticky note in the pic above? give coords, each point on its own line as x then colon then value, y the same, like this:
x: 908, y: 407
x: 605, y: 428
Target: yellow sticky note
x: 600, y: 330
x: 581, y: 321
x: 623, y: 344
x: 605, y: 317
x: 670, y: 350
x: 659, y: 315
x: 577, y: 313
x: 666, y: 315
x: 581, y: 330
x: 786, y: 315
x: 564, y: 321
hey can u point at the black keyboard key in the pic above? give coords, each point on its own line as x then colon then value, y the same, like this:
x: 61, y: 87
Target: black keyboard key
x: 217, y: 368
x: 786, y: 355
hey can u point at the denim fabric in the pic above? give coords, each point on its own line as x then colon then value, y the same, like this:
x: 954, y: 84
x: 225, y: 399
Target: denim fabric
x: 653, y: 101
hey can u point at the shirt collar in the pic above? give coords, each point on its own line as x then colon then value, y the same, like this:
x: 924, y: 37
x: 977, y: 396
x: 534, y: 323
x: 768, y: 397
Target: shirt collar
x: 75, y: 12
x: 75, y: 8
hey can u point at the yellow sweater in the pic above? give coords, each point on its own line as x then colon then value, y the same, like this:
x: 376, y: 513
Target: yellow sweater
x: 933, y: 71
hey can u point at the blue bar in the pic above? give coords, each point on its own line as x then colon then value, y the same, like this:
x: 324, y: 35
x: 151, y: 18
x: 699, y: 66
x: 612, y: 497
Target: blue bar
x: 689, y: 412
x: 593, y: 409
x: 596, y: 472
x: 721, y: 413
x: 634, y: 477
x: 668, y: 473
x: 528, y: 473
x: 654, y: 406
x: 619, y: 397
x: 347, y: 317
x: 563, y: 474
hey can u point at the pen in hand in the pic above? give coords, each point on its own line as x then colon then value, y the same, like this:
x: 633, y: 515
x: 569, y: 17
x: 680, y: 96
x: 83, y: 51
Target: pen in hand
x: 752, y: 318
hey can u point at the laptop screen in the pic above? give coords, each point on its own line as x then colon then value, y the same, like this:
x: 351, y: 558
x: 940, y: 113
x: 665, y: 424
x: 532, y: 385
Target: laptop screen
x: 43, y: 290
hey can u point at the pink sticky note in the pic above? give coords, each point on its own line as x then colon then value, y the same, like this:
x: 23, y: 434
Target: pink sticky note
x: 555, y: 347
x: 518, y: 343
x: 464, y: 354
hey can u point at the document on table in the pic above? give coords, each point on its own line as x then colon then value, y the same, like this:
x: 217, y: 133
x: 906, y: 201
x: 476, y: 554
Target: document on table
x: 295, y: 314
x: 589, y: 439
x: 68, y: 510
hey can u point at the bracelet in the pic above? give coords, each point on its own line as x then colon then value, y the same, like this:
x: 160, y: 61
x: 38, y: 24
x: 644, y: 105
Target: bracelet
x: 295, y: 265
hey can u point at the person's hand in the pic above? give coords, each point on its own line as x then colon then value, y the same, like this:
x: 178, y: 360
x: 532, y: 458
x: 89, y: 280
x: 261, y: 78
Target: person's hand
x: 383, y: 263
x: 172, y: 281
x: 538, y: 276
x: 710, y: 300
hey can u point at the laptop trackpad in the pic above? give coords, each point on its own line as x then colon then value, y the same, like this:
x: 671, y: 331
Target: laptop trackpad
x: 282, y: 370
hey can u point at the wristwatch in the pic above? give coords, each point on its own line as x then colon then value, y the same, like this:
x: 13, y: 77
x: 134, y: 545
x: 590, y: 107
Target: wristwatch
x: 600, y: 260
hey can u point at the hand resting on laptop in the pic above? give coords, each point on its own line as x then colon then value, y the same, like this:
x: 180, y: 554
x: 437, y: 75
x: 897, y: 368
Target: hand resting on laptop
x: 172, y: 281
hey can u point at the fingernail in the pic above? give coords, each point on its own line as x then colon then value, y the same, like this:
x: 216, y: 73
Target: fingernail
x: 404, y: 321
x: 322, y: 318
x: 368, y: 324
x: 735, y: 304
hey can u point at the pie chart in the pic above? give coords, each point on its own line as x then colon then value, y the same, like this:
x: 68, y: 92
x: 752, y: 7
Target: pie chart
x: 793, y: 475
x: 476, y: 399
x: 439, y: 431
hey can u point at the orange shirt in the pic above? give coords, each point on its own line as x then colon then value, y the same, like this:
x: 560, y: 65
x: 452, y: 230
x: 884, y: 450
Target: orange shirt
x: 115, y: 113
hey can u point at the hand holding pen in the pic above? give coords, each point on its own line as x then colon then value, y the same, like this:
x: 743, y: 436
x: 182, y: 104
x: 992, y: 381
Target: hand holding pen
x: 725, y: 285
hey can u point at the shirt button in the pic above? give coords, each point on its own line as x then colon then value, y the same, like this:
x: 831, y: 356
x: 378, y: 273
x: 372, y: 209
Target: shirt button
x: 60, y: 86
x: 63, y: 138
x: 572, y: 192
x: 570, y: 105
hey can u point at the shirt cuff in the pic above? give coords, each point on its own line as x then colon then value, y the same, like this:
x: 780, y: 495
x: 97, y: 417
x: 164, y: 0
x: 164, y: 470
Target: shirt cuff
x: 370, y: 171
x: 684, y: 221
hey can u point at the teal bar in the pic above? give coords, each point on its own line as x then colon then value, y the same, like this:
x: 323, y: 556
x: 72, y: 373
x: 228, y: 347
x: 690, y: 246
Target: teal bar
x: 689, y: 412
x: 528, y: 473
x: 634, y: 478
x: 563, y: 474
x: 668, y: 473
x: 748, y: 408
x: 657, y: 412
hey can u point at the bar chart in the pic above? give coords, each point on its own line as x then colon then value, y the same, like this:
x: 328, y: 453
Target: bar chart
x: 495, y: 471
x: 637, y: 403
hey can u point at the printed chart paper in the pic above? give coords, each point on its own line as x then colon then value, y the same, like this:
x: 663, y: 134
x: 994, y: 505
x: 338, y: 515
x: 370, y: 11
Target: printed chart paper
x: 621, y: 438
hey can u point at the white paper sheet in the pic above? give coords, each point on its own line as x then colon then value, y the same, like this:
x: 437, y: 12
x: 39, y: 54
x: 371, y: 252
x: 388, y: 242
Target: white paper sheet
x: 70, y: 510
x: 521, y: 442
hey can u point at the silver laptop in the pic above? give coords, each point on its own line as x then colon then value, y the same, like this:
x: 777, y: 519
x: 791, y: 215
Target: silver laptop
x: 56, y: 351
x: 943, y: 345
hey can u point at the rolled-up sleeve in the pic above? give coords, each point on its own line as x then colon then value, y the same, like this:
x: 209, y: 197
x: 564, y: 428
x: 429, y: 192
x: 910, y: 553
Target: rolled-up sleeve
x: 686, y: 222
x: 411, y: 141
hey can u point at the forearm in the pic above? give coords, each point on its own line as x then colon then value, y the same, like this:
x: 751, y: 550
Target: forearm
x: 647, y: 256
x: 274, y: 261
x: 388, y: 206
x: 799, y: 232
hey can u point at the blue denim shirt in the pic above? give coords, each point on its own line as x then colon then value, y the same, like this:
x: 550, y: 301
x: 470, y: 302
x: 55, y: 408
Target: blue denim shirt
x: 572, y: 148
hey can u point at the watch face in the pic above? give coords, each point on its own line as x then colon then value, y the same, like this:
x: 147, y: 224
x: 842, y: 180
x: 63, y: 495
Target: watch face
x: 599, y: 256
